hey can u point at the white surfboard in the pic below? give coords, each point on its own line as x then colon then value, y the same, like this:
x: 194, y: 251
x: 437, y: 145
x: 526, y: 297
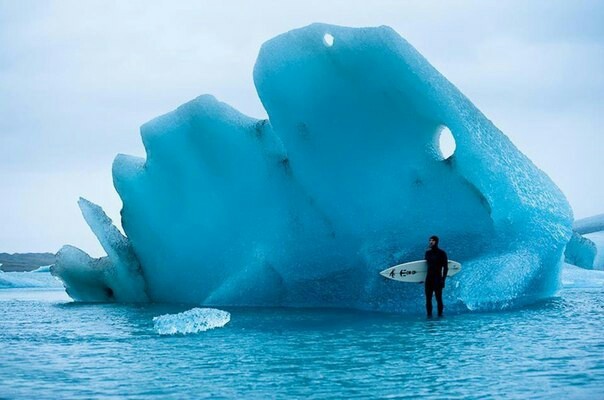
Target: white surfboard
x: 415, y: 271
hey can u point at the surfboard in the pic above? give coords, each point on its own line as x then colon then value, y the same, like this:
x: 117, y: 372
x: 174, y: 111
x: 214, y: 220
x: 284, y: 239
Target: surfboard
x: 415, y: 271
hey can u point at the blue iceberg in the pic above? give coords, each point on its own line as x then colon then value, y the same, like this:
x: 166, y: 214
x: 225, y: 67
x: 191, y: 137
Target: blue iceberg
x: 580, y: 251
x: 117, y: 277
x: 39, y: 278
x: 588, y: 225
x: 344, y: 179
x: 586, y: 246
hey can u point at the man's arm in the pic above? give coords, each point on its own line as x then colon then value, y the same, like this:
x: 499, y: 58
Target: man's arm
x: 445, y: 267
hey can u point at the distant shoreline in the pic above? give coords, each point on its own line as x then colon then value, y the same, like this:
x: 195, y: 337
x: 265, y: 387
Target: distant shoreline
x: 23, y: 262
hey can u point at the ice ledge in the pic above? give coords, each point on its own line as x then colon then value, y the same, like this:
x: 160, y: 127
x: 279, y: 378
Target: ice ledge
x: 117, y: 277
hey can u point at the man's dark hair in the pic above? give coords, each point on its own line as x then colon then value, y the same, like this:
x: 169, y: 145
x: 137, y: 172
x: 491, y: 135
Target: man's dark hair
x: 435, y: 239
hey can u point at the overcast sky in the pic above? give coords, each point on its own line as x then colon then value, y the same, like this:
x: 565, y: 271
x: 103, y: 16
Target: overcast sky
x: 78, y: 78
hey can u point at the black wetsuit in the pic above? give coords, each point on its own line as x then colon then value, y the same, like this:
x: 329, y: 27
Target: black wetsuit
x: 435, y: 279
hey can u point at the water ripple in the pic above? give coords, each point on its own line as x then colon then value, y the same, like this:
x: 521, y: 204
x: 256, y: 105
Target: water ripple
x: 53, y: 349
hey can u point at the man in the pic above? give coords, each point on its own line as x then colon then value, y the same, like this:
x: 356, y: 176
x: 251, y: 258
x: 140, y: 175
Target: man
x: 437, y: 272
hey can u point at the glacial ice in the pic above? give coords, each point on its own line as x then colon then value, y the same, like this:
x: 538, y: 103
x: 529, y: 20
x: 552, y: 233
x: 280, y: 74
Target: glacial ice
x: 597, y: 238
x: 44, y: 269
x: 344, y: 179
x: 117, y: 277
x: 192, y: 321
x: 586, y: 246
x: 580, y: 251
x: 39, y: 278
x: 589, y: 225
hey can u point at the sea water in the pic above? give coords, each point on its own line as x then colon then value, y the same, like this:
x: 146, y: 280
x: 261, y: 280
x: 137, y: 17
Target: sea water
x: 51, y: 347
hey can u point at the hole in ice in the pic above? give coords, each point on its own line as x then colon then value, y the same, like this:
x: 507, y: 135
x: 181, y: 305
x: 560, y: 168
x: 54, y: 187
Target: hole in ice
x: 446, y: 142
x: 109, y: 292
x: 328, y: 40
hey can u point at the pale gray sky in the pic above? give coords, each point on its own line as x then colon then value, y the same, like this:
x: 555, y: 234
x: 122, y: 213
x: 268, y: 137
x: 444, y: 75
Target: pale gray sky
x: 78, y: 78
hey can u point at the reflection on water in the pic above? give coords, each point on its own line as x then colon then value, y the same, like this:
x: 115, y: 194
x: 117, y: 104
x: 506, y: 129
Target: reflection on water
x: 52, y: 347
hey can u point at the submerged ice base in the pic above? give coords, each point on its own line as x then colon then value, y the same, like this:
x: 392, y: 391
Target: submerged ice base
x: 344, y: 179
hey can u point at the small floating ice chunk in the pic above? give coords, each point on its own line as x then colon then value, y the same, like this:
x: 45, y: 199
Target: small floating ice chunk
x: 191, y: 321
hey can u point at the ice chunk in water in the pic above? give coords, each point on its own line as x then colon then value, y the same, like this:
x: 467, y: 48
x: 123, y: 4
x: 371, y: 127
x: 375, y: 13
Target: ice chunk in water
x: 191, y: 321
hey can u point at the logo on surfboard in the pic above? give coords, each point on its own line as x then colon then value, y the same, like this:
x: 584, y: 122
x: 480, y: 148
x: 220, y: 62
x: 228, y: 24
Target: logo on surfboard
x: 402, y: 272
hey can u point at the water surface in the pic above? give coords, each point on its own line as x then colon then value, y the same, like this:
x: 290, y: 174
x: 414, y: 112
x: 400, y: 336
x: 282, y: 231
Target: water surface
x: 53, y: 348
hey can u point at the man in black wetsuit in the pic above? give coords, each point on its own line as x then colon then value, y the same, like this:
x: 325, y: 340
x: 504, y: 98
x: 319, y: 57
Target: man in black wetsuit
x: 437, y: 272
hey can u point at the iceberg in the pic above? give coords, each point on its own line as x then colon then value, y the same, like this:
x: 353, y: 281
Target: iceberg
x: 344, y: 179
x: 591, y: 224
x: 39, y: 278
x: 117, y: 277
x: 580, y: 251
x: 192, y: 321
x: 586, y: 246
x: 597, y: 238
x: 44, y: 269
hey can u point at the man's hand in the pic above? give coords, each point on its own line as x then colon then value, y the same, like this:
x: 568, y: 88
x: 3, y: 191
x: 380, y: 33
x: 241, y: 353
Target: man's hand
x: 442, y: 282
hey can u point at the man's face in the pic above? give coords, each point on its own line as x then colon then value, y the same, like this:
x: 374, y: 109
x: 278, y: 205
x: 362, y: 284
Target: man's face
x: 431, y: 242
